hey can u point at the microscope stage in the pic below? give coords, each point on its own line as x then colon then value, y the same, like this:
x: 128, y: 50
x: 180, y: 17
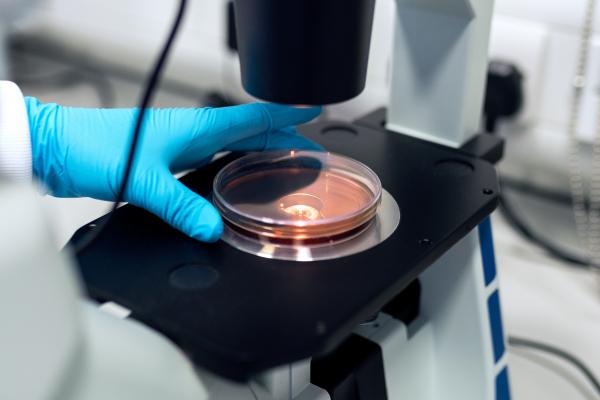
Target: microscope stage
x: 238, y: 314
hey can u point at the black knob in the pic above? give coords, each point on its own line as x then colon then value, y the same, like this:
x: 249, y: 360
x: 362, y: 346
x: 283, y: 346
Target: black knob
x: 504, y: 93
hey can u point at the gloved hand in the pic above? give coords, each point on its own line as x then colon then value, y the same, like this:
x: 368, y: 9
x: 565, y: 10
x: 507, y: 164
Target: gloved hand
x: 81, y: 152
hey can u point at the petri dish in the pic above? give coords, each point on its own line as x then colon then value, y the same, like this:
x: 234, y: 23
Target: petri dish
x: 296, y: 198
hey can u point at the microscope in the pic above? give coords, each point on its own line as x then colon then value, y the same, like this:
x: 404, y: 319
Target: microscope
x: 411, y: 313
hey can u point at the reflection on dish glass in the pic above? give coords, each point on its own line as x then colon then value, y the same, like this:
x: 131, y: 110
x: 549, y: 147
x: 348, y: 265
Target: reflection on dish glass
x: 302, y: 197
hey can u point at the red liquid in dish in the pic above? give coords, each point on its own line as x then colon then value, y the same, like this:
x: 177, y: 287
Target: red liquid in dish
x: 311, y: 203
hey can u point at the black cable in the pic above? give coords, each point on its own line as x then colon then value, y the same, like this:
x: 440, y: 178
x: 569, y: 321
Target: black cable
x: 529, y: 189
x: 514, y: 219
x: 148, y: 93
x: 517, y: 223
x: 558, y: 352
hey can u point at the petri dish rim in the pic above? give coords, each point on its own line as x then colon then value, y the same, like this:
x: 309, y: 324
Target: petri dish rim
x: 274, y: 156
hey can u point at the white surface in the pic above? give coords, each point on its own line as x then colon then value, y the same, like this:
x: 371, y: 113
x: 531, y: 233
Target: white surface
x: 51, y: 347
x: 15, y: 140
x: 288, y: 381
x: 529, y: 55
x: 544, y: 37
x: 129, y: 33
x: 40, y: 333
x: 453, y: 289
x: 566, y: 15
x: 439, y: 69
x: 413, y: 365
x: 450, y: 354
x: 124, y: 359
x: 545, y: 300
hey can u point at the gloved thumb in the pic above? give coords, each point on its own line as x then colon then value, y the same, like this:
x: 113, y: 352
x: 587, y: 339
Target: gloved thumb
x: 169, y: 199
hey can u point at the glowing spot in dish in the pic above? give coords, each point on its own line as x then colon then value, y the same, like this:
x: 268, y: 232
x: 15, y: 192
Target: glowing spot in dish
x: 302, y: 211
x: 302, y: 206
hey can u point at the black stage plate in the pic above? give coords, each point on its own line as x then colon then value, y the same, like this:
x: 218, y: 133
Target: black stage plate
x: 237, y: 314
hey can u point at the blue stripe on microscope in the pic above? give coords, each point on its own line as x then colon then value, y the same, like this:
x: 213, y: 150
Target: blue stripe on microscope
x: 486, y: 243
x: 502, y: 386
x: 496, y: 325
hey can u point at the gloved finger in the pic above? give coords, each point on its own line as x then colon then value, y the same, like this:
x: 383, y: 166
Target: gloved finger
x: 169, y: 199
x: 283, y: 139
x: 228, y: 125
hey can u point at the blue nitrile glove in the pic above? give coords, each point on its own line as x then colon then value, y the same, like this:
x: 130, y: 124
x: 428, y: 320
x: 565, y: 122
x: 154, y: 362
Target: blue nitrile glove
x: 80, y: 152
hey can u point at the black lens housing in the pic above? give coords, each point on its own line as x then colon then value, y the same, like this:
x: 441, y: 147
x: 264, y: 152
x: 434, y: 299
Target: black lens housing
x: 311, y: 52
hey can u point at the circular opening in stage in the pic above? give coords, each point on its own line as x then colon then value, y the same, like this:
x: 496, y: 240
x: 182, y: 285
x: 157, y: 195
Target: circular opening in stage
x: 297, y: 198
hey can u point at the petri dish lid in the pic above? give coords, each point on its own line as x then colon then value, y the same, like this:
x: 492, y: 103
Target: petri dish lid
x: 297, y: 196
